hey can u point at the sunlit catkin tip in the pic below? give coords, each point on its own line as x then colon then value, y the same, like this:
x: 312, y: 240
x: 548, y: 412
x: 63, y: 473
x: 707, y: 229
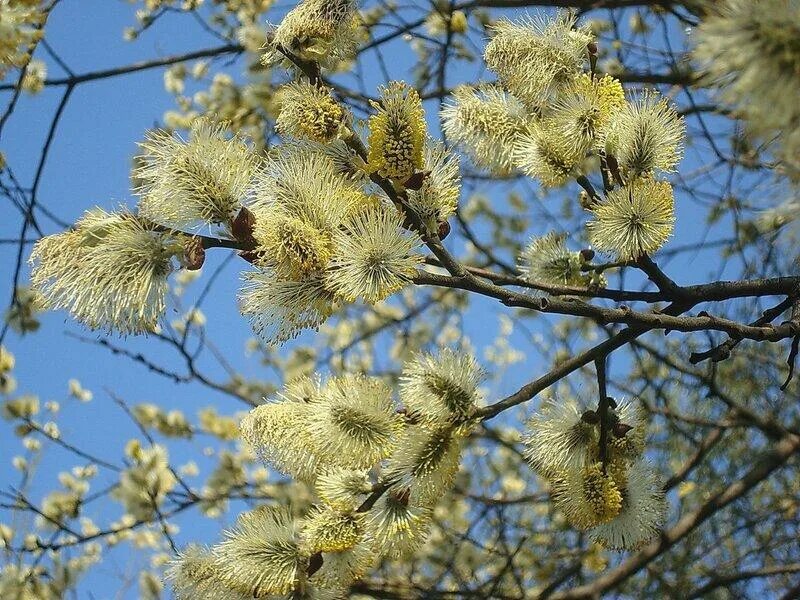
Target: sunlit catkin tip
x: 184, y: 184
x: 634, y: 220
x: 280, y: 434
x: 326, y: 529
x: 397, y: 132
x: 355, y: 423
x: 485, y: 123
x: 110, y: 272
x: 194, y: 574
x: 374, y: 256
x: 646, y: 135
x: 262, y: 554
x: 537, y: 55
x: 547, y: 259
x: 342, y: 488
x: 441, y: 388
x: 397, y: 527
x: 309, y: 111
x: 322, y: 30
x: 437, y: 199
x: 544, y: 153
x: 588, y: 496
x: 280, y: 309
x: 641, y: 515
x: 425, y: 462
x: 559, y: 439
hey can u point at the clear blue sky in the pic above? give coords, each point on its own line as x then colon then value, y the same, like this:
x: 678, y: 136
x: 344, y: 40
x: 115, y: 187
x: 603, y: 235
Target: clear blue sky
x: 89, y: 165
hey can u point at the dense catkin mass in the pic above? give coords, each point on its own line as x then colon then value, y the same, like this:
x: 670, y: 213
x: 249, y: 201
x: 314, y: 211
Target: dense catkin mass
x: 334, y: 434
x: 374, y: 256
x: 110, y: 272
x: 617, y: 497
x: 645, y: 136
x: 296, y: 248
x: 280, y: 433
x: 545, y: 154
x: 396, y: 526
x: 261, y: 555
x: 195, y: 574
x: 310, y: 111
x: 341, y: 569
x: 437, y: 199
x: 588, y: 497
x: 536, y: 56
x: 302, y: 201
x: 324, y: 220
x: 20, y: 29
x: 326, y: 31
x: 559, y: 439
x: 442, y: 388
x: 354, y: 422
x: 343, y: 488
x: 397, y: 132
x: 547, y: 259
x: 631, y: 445
x: 634, y: 220
x: 583, y: 110
x: 328, y: 529
x: 750, y: 51
x: 486, y: 123
x: 426, y: 461
x: 204, y: 180
x: 280, y: 309
x: 641, y: 512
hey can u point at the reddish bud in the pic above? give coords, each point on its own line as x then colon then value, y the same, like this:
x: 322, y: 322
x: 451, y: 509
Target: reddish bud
x: 403, y: 496
x: 592, y: 48
x: 194, y: 255
x: 315, y: 562
x: 444, y: 230
x: 621, y: 429
x: 416, y: 180
x: 590, y: 417
x: 587, y: 254
x: 243, y: 225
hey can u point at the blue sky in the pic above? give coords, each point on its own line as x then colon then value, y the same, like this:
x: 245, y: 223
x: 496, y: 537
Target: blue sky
x: 89, y: 165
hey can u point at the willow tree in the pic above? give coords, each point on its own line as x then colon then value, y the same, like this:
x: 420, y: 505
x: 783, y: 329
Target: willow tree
x: 542, y: 171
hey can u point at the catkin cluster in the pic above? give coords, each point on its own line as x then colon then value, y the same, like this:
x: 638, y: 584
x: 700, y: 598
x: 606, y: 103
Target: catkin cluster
x: 307, y: 215
x: 600, y: 485
x: 377, y: 469
x: 551, y: 119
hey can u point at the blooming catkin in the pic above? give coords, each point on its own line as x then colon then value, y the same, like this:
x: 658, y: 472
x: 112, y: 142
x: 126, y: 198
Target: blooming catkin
x: 200, y: 181
x: 397, y: 132
x: 309, y: 111
x: 749, y: 51
x: 535, y: 57
x: 110, y: 272
x: 486, y: 123
x: 634, y: 220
